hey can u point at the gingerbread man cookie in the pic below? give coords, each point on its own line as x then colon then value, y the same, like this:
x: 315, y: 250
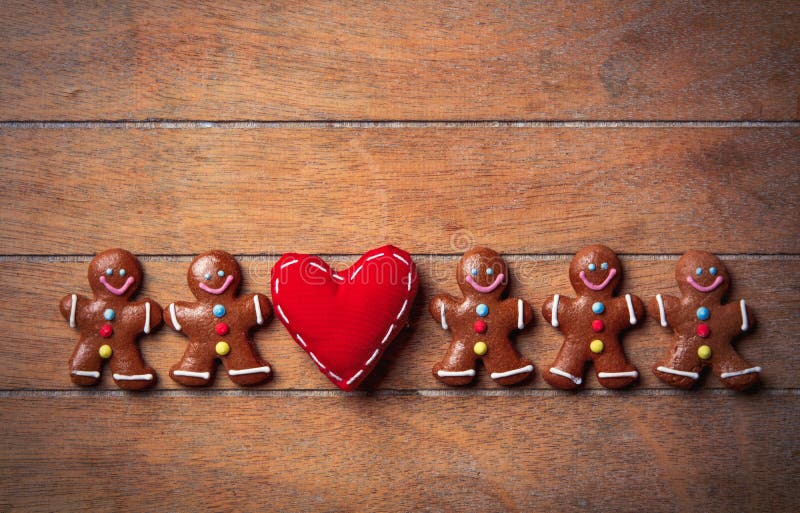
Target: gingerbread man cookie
x: 218, y: 324
x: 110, y: 323
x: 481, y: 323
x: 592, y: 322
x: 703, y: 326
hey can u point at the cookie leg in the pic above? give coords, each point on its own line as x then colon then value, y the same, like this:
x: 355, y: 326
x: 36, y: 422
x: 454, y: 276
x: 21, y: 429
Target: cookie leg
x: 244, y: 366
x: 196, y: 368
x: 613, y: 369
x: 85, y: 363
x: 505, y: 364
x: 458, y: 366
x: 128, y: 368
x: 734, y: 371
x: 681, y: 368
x: 566, y: 372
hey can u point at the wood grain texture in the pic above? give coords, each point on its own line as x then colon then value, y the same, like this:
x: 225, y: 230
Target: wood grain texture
x: 453, y: 60
x: 345, y: 190
x: 42, y: 341
x: 438, y: 454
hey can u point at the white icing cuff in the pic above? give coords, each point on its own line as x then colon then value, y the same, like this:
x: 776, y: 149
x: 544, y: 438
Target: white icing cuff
x: 631, y: 311
x: 72, y: 310
x: 745, y: 322
x: 147, y: 318
x: 751, y: 370
x: 563, y: 374
x: 133, y: 377
x: 554, y: 322
x: 685, y: 374
x: 87, y: 374
x: 455, y: 374
x: 520, y: 316
x: 192, y: 374
x: 175, y: 322
x: 521, y: 370
x: 441, y: 316
x: 627, y: 374
x: 265, y: 369
x: 259, y: 317
x: 661, y: 312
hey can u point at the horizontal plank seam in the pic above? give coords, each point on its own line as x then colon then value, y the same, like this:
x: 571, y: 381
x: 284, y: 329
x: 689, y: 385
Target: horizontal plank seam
x: 640, y: 392
x: 251, y: 124
x: 419, y: 257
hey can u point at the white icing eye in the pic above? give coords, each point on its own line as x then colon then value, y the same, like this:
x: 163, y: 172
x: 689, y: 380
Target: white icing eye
x: 713, y: 271
x: 122, y: 272
x: 592, y: 267
x: 207, y: 276
x: 490, y: 271
x: 604, y: 266
x: 220, y: 273
x: 109, y: 271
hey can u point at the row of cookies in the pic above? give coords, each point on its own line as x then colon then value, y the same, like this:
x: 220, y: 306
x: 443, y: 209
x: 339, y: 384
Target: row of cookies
x: 345, y: 320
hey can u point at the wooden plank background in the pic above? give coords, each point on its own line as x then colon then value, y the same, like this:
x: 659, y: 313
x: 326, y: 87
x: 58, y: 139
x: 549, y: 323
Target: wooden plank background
x: 333, y: 127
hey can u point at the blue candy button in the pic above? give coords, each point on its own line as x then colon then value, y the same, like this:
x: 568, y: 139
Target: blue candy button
x: 703, y: 313
x: 219, y: 310
x: 482, y: 310
x: 109, y: 314
x: 598, y: 308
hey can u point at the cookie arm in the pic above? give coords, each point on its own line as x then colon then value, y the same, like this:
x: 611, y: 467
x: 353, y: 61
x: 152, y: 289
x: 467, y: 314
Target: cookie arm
x: 258, y: 308
x: 636, y: 309
x: 172, y: 316
x: 554, y: 308
x: 441, y: 307
x: 153, y: 315
x: 69, y: 308
x: 662, y: 307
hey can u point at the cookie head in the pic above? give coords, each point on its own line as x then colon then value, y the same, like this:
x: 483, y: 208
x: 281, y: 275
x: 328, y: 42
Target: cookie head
x: 482, y: 271
x: 701, y: 273
x: 595, y: 270
x: 115, y: 273
x: 214, y: 274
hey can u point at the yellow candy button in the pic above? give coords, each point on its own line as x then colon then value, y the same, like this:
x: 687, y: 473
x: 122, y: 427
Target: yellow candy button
x: 223, y: 348
x: 105, y: 351
x: 596, y: 346
x: 704, y: 352
x: 480, y: 348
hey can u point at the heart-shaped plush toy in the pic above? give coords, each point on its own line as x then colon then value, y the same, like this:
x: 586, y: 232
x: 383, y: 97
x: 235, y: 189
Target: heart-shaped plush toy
x: 345, y: 320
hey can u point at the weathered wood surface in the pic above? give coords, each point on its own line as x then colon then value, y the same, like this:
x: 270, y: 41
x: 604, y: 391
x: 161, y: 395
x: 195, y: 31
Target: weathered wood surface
x: 342, y: 191
x: 453, y: 60
x: 619, y: 452
x: 41, y: 341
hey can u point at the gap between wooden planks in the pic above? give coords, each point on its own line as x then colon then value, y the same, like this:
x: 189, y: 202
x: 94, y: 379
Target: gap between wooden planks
x: 690, y: 452
x: 715, y: 60
x: 42, y: 341
x: 427, y: 190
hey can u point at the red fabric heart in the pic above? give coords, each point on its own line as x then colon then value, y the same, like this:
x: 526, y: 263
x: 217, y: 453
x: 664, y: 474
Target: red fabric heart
x: 345, y: 320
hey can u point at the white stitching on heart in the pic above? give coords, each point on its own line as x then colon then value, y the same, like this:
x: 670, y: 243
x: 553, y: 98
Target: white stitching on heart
x: 385, y: 337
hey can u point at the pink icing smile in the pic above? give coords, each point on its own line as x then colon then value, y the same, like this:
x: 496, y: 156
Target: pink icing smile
x: 221, y: 289
x: 488, y: 288
x: 114, y: 290
x: 611, y: 274
x: 701, y: 288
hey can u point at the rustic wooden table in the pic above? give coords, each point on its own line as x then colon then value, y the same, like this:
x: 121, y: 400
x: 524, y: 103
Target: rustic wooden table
x: 331, y: 128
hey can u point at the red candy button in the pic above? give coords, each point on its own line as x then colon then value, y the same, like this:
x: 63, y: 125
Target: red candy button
x: 222, y: 328
x: 106, y: 330
x: 703, y: 330
x: 597, y: 325
x: 480, y: 327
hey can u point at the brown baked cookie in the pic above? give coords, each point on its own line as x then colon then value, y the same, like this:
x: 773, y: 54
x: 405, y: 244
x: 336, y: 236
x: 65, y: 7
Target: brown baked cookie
x: 592, y: 322
x: 110, y: 323
x: 218, y: 324
x: 481, y: 323
x: 703, y: 326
